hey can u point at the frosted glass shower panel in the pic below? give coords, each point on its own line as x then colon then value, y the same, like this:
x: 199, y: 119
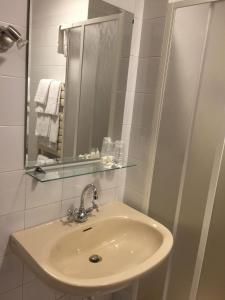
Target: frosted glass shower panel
x: 73, y: 87
x: 98, y: 77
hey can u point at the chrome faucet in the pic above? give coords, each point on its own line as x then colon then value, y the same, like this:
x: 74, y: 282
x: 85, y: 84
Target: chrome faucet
x: 81, y: 215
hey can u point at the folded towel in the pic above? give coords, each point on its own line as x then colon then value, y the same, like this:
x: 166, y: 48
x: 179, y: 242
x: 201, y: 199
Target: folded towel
x: 42, y: 125
x: 42, y: 91
x: 52, y: 107
x: 54, y: 129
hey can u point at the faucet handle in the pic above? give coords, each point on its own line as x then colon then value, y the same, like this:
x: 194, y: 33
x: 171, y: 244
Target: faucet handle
x: 95, y: 206
x: 71, y: 213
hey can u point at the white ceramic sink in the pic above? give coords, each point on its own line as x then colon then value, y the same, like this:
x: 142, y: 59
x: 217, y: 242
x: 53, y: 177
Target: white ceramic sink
x: 127, y: 244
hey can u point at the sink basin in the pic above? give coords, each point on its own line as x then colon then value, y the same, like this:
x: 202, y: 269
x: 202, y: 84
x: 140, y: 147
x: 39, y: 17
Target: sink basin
x: 108, y: 252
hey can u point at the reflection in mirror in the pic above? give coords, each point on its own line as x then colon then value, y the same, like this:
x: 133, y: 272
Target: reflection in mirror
x: 78, y: 63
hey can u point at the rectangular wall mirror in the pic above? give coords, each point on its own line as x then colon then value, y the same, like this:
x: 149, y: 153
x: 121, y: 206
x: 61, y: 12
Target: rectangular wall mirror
x: 76, y: 79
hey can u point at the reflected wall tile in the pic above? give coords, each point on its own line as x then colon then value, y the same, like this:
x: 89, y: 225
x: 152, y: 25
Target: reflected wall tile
x: 139, y: 144
x: 47, y: 56
x: 155, y: 8
x: 152, y: 37
x: 50, y: 38
x: 147, y: 75
x: 125, y: 4
x: 143, y: 110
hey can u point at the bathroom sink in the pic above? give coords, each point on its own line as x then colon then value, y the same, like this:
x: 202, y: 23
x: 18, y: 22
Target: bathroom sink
x: 108, y: 252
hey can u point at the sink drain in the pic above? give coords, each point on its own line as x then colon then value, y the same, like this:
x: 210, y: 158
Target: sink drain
x: 95, y: 258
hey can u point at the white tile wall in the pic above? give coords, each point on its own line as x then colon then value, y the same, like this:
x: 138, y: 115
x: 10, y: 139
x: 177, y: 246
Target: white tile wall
x: 15, y: 294
x: 24, y: 203
x: 12, y: 191
x: 12, y: 101
x: 149, y: 29
x: 11, y: 273
x: 11, y: 150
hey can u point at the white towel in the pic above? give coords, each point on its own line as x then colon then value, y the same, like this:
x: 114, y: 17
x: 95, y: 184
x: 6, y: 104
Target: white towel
x: 54, y: 129
x: 42, y: 125
x: 42, y: 91
x: 52, y: 107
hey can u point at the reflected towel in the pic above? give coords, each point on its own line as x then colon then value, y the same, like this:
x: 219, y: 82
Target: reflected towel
x: 42, y: 91
x: 62, y: 41
x: 54, y: 129
x: 40, y: 108
x: 52, y: 107
x: 42, y: 125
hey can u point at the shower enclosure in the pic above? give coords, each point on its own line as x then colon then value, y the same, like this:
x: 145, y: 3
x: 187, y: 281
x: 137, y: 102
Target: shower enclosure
x: 187, y: 189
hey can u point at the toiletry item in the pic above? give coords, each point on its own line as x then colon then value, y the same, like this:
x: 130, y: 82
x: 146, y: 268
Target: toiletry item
x: 107, y: 147
x: 107, y: 153
x: 119, y: 153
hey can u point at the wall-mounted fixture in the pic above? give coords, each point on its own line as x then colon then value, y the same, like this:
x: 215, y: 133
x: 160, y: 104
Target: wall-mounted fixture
x: 8, y: 36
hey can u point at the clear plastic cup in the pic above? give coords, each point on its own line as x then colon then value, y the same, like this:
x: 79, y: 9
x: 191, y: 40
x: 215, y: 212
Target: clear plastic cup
x: 107, y: 153
x: 119, y: 152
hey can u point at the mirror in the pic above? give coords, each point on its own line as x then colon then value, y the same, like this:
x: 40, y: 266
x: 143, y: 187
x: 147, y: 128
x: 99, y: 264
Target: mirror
x: 77, y: 73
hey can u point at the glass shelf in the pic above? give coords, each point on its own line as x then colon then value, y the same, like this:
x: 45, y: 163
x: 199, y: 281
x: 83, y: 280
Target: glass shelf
x: 55, y: 173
